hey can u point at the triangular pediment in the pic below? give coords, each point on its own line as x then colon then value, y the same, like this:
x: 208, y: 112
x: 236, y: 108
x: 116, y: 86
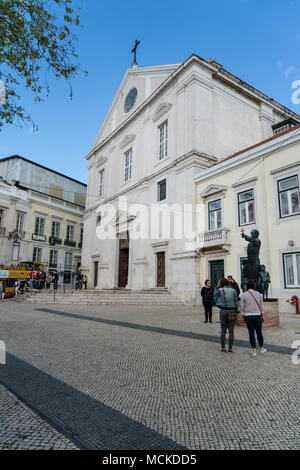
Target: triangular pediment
x: 145, y: 80
x: 213, y: 189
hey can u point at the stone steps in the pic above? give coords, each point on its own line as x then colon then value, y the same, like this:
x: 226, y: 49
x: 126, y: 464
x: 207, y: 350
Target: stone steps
x: 101, y: 298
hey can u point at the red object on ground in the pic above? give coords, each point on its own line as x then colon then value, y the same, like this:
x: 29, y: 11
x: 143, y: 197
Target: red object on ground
x: 295, y: 301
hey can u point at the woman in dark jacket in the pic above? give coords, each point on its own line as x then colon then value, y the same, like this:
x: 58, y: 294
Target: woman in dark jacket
x: 207, y: 293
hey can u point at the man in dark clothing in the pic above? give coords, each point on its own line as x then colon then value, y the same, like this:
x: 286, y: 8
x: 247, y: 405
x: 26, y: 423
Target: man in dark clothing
x: 207, y: 293
x: 234, y: 285
x: 55, y: 279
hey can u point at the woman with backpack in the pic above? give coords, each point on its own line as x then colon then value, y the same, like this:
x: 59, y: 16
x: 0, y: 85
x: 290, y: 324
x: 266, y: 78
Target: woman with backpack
x: 252, y: 308
x: 227, y: 300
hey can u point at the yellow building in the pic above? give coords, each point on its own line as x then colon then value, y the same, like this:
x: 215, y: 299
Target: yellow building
x: 254, y: 188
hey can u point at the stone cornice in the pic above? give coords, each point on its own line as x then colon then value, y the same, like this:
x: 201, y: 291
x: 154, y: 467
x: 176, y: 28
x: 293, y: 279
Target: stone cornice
x: 75, y: 213
x: 192, y: 158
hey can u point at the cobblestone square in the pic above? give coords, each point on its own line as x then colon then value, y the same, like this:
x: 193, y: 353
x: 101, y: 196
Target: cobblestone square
x: 143, y: 377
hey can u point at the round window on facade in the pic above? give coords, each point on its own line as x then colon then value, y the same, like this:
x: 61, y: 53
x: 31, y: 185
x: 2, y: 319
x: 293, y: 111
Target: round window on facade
x: 130, y: 100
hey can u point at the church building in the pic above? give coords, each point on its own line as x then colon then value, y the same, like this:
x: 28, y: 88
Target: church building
x: 166, y: 124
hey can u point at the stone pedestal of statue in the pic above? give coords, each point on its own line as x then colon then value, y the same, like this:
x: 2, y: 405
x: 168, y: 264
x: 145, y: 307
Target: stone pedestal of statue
x: 271, y: 314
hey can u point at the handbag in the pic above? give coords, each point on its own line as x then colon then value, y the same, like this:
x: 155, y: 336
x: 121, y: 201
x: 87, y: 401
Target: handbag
x: 231, y: 316
x: 262, y: 317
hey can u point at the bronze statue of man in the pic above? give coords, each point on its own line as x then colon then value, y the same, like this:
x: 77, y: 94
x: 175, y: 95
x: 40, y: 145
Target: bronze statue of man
x: 253, y: 248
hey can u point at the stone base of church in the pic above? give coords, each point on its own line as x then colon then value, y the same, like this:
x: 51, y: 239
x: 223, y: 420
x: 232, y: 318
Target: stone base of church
x: 271, y: 315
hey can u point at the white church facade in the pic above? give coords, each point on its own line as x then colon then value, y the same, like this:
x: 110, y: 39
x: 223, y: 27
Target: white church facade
x: 165, y: 125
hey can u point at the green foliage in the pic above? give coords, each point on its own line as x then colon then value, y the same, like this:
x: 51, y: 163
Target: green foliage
x: 35, y: 38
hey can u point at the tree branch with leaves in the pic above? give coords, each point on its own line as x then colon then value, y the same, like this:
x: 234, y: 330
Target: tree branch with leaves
x: 36, y: 38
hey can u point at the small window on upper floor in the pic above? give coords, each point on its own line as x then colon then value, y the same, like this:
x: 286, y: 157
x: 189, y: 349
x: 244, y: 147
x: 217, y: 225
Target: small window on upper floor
x: 163, y: 141
x: 289, y: 197
x: 214, y: 215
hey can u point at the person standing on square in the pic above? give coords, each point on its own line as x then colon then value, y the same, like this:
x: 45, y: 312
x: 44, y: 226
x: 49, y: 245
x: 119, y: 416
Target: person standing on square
x: 207, y: 293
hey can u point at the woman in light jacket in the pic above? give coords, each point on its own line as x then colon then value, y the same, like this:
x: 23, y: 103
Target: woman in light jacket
x: 252, y: 307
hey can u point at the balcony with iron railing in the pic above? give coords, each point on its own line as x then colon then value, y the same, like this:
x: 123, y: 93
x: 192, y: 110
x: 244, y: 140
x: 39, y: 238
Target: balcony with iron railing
x: 55, y: 240
x: 70, y: 243
x: 214, y: 240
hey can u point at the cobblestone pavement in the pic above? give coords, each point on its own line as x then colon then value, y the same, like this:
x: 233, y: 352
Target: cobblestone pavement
x: 22, y: 428
x: 151, y: 378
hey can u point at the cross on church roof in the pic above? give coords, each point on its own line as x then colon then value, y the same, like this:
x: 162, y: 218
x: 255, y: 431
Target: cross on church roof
x: 134, y: 63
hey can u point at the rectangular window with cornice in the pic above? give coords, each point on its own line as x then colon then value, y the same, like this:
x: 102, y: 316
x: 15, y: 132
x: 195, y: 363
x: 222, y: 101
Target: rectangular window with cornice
x: 163, y: 141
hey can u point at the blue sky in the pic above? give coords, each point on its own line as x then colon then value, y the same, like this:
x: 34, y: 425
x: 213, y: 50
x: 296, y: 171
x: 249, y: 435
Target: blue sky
x: 257, y: 40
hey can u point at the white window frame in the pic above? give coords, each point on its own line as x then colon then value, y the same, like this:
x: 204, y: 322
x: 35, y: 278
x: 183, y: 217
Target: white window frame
x: 70, y: 233
x: 101, y: 182
x: 247, y: 204
x: 279, y: 180
x: 54, y: 232
x: 296, y: 284
x: 208, y: 214
x: 39, y: 226
x: 37, y: 250
x: 163, y: 141
x: 55, y: 253
x: 68, y: 257
x: 128, y: 165
x: 20, y: 221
